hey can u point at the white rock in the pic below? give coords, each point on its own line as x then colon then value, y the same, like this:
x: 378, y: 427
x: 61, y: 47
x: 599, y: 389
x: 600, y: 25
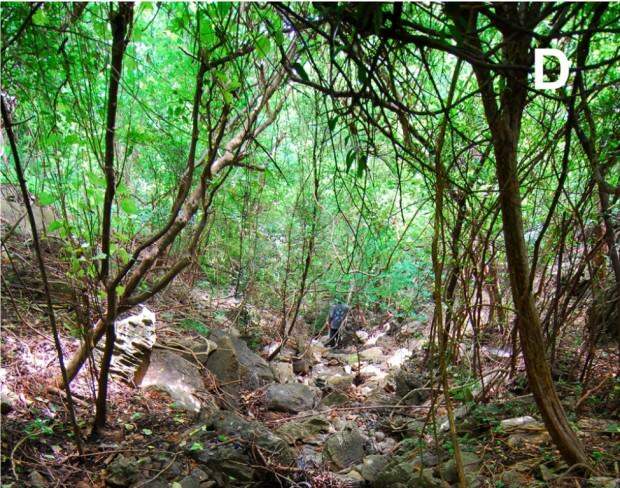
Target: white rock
x: 399, y: 357
x: 515, y: 422
x: 362, y: 335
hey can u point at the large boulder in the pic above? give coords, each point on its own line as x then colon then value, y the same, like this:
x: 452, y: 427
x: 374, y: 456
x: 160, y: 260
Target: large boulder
x: 345, y: 448
x: 14, y: 216
x: 292, y: 397
x: 228, y: 444
x: 182, y: 380
x: 304, y: 430
x: 194, y: 348
x: 411, y: 385
x: 236, y: 367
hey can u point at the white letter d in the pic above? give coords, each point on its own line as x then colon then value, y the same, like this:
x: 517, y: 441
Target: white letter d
x: 539, y: 69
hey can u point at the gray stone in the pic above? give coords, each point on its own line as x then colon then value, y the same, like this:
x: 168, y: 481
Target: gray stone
x: 406, y: 474
x: 229, y: 445
x: 301, y: 366
x: 514, y: 479
x: 284, y: 372
x: 374, y: 354
x: 37, y: 480
x: 196, y: 348
x: 603, y: 482
x: 236, y: 366
x: 291, y: 397
x: 8, y: 399
x: 517, y: 422
x: 345, y: 448
x: 334, y: 398
x: 304, y: 430
x: 372, y: 466
x: 122, y: 471
x: 135, y: 337
x: 352, y: 479
x: 411, y: 385
x: 471, y: 463
x: 309, y: 457
x: 169, y: 372
x: 340, y: 382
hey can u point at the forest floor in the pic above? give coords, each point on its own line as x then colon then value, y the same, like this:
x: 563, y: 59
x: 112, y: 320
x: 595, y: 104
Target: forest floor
x: 368, y: 415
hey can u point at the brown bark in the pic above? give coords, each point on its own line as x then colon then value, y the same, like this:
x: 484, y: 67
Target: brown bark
x: 6, y: 120
x: 120, y: 22
x: 504, y: 120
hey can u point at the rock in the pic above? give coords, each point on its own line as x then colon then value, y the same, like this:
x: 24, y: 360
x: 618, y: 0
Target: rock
x: 352, y: 479
x: 374, y: 354
x: 546, y: 473
x: 304, y: 430
x: 37, y: 480
x: 14, y: 210
x: 334, y: 399
x: 398, y: 358
x: 428, y: 459
x: 195, y: 349
x: 340, y: 382
x: 379, y: 436
x: 169, y: 372
x: 196, y: 479
x: 292, y: 397
x: 236, y: 366
x: 411, y: 385
x: 301, y: 366
x: 372, y: 466
x: 603, y: 482
x: 309, y: 457
x: 386, y: 446
x: 8, y: 399
x: 471, y: 463
x: 404, y: 474
x: 284, y: 372
x: 135, y: 337
x: 518, y: 422
x: 122, y: 471
x: 514, y: 479
x: 228, y: 444
x: 345, y: 448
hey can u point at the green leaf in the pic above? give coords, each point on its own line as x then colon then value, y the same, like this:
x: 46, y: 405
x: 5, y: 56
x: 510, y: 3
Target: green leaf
x: 147, y: 431
x: 55, y: 225
x: 207, y: 33
x: 228, y: 98
x: 263, y: 45
x: 96, y: 180
x: 40, y: 18
x: 46, y: 199
x: 196, y: 446
x: 222, y: 438
x: 129, y: 206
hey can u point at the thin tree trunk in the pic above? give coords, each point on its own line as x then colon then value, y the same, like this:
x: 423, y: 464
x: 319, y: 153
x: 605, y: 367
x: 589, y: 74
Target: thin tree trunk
x: 504, y: 122
x: 6, y: 119
x: 120, y: 23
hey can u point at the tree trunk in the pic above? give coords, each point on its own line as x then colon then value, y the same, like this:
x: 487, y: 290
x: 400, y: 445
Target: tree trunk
x: 504, y: 121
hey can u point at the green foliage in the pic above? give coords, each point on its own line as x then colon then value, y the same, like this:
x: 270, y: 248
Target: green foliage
x: 196, y: 326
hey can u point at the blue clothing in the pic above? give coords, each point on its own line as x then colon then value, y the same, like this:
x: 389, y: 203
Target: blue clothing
x: 337, y: 314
